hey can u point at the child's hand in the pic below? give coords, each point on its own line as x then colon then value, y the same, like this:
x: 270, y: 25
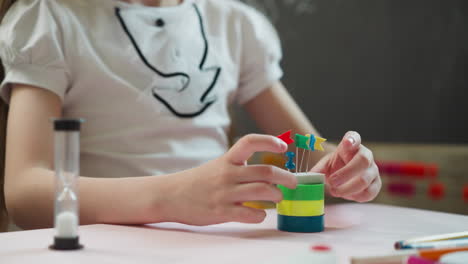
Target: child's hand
x: 213, y: 193
x: 351, y: 171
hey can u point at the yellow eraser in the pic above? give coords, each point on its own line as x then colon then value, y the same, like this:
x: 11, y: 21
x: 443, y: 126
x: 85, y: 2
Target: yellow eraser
x: 260, y: 204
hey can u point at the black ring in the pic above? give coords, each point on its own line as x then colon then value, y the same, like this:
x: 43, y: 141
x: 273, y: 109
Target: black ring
x: 66, y: 243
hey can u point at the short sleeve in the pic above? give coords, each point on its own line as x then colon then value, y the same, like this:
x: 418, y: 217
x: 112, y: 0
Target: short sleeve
x: 260, y: 58
x: 30, y: 48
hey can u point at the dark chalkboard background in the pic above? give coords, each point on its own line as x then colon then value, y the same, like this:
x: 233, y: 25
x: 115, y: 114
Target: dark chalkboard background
x: 394, y: 70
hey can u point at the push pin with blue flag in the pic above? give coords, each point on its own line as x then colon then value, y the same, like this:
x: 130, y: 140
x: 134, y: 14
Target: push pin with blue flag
x: 290, y: 163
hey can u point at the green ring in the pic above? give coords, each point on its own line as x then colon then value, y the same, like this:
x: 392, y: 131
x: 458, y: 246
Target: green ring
x: 304, y: 192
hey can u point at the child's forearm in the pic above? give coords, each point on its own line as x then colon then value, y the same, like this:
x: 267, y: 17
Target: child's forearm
x: 133, y: 200
x: 29, y: 176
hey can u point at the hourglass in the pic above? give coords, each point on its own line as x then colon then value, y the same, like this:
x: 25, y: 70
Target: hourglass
x: 66, y: 162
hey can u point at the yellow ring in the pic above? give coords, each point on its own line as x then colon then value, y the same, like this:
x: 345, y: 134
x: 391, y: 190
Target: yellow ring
x: 301, y: 208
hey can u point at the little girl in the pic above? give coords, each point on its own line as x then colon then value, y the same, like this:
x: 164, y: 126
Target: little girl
x: 154, y: 81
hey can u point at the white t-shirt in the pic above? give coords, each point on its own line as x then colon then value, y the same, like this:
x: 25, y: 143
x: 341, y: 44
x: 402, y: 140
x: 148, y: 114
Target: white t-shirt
x: 153, y: 83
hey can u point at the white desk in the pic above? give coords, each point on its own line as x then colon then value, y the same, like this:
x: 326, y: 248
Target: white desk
x: 351, y: 229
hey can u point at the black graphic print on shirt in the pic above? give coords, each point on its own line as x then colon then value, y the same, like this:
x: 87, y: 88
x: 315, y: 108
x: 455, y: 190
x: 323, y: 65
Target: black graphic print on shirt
x: 176, y: 49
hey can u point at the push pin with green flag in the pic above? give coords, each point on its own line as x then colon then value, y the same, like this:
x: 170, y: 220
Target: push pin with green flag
x: 301, y: 143
x: 308, y: 142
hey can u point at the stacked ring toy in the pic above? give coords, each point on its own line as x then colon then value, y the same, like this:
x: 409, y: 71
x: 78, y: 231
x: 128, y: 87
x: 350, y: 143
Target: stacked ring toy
x: 302, y: 209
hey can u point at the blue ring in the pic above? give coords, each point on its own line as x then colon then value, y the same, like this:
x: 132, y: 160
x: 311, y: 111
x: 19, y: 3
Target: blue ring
x: 301, y: 224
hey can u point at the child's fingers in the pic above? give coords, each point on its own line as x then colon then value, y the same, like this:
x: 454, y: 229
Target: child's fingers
x: 267, y: 173
x: 247, y: 145
x: 244, y: 214
x: 349, y: 146
x: 369, y: 193
x: 356, y: 185
x: 361, y: 161
x: 256, y: 191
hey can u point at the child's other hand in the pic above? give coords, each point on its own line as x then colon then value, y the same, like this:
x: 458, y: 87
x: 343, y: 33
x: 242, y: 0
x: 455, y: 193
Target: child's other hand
x: 213, y: 193
x: 351, y: 172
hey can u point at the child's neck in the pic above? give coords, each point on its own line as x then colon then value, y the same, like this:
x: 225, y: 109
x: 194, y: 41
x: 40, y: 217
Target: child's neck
x: 156, y: 2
